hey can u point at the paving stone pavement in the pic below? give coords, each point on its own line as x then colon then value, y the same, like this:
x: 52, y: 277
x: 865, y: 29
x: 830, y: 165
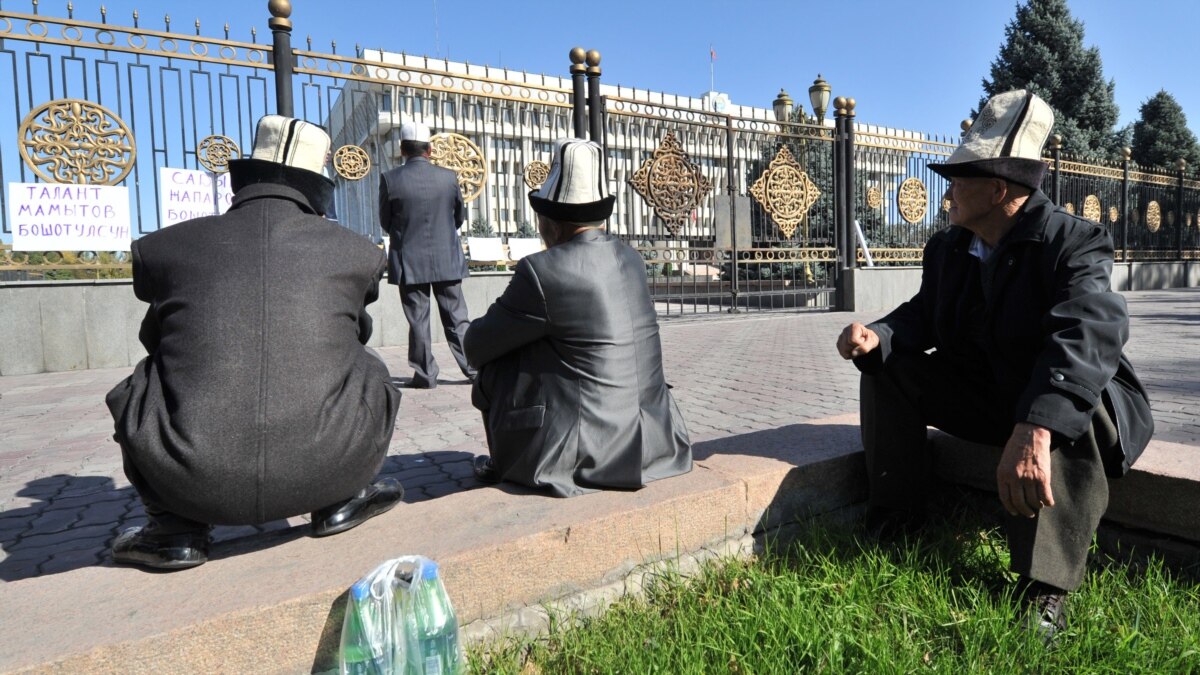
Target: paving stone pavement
x: 63, y: 495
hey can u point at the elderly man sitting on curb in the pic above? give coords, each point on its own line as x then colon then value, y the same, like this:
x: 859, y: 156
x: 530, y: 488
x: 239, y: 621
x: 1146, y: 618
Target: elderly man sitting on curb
x: 258, y: 400
x: 570, y: 364
x: 1026, y: 336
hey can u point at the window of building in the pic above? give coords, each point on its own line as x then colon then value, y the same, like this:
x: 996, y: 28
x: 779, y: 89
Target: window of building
x: 448, y: 108
x: 385, y: 102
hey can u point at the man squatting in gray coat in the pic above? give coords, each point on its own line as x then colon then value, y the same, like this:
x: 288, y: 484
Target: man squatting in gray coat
x: 258, y: 400
x: 1026, y: 336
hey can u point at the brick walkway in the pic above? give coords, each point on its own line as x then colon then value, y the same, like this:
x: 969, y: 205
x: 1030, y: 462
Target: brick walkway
x: 63, y: 494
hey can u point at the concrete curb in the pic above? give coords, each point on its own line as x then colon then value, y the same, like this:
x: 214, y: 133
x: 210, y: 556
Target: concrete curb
x: 280, y: 608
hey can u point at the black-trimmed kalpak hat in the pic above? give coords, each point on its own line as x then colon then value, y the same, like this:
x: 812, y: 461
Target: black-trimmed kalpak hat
x: 576, y: 190
x: 289, y: 152
x: 1005, y: 141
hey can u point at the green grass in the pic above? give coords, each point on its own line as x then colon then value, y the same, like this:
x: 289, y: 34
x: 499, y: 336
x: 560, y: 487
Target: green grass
x: 831, y: 603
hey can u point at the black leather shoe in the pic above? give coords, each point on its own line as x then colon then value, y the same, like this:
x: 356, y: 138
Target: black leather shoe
x: 885, y: 525
x: 368, y: 503
x: 136, y: 546
x: 485, y: 470
x: 1044, y: 608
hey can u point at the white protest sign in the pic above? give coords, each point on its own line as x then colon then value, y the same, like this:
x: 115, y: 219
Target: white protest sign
x: 57, y: 217
x: 185, y: 194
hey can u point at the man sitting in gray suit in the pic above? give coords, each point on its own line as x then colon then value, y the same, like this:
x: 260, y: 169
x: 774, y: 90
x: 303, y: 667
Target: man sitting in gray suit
x: 570, y: 364
x: 258, y: 400
x: 421, y: 208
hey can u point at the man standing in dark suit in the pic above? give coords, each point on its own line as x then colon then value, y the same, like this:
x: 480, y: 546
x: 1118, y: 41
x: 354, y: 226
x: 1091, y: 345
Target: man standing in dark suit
x: 571, y: 379
x: 421, y: 209
x: 258, y: 400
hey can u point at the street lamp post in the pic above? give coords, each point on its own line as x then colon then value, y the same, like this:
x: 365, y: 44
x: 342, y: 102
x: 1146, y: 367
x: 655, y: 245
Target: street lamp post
x: 818, y: 96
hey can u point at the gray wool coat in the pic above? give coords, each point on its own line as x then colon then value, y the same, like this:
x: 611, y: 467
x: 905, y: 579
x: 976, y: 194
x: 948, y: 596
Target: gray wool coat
x: 571, y: 377
x: 421, y: 209
x: 258, y: 399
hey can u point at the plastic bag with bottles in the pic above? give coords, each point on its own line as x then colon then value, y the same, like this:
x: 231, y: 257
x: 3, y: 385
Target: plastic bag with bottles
x: 399, y: 621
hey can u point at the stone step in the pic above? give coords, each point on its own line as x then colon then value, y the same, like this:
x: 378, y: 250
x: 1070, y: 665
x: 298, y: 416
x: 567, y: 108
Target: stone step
x: 274, y: 603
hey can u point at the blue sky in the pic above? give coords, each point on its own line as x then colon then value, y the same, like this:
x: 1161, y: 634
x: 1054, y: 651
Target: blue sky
x: 914, y: 65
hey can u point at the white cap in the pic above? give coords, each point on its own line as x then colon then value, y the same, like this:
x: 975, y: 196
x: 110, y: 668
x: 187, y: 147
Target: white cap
x: 414, y: 131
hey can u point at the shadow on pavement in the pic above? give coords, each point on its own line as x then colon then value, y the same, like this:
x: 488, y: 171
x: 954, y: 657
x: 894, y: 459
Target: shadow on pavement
x: 73, y: 519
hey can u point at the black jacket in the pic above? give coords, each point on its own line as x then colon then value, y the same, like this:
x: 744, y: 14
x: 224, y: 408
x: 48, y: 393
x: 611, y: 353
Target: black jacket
x: 421, y: 209
x: 258, y: 399
x: 1053, y: 328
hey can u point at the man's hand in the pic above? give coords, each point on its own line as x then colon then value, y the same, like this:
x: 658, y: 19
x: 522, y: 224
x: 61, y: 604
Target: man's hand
x: 1023, y: 475
x: 856, y: 340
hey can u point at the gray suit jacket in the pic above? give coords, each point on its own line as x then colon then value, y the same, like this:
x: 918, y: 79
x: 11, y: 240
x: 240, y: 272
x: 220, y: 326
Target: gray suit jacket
x: 571, y: 377
x: 258, y: 400
x: 421, y: 209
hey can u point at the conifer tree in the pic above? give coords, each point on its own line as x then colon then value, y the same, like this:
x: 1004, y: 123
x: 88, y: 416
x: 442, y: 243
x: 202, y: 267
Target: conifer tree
x: 1161, y: 134
x: 1044, y: 53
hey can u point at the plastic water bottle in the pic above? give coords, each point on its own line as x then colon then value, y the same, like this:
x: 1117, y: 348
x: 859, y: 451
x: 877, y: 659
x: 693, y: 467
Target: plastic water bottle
x: 437, y: 626
x: 361, y: 653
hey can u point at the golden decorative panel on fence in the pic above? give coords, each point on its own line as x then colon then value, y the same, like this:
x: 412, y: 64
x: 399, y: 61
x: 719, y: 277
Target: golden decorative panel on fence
x: 1153, y: 216
x: 1113, y: 214
x: 785, y: 192
x: 536, y: 173
x: 1070, y: 208
x: 352, y: 162
x: 214, y: 152
x: 670, y: 183
x: 874, y: 197
x: 913, y: 200
x: 1091, y: 208
x: 73, y: 141
x: 460, y: 155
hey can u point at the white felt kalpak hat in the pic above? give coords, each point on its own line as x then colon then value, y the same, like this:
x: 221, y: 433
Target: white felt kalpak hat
x: 414, y: 131
x: 289, y: 152
x: 1005, y: 141
x: 576, y: 190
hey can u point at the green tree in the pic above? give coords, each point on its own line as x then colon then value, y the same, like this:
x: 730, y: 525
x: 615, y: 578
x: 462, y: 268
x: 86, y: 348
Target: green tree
x: 1161, y: 134
x: 1044, y: 53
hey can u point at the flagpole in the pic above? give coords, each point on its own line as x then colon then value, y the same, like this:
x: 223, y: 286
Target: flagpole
x: 711, y: 64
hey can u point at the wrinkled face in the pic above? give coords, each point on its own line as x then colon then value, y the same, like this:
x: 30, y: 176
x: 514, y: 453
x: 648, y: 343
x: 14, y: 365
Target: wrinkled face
x: 971, y: 200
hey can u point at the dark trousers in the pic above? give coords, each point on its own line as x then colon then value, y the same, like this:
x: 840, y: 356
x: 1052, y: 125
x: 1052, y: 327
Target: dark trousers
x: 916, y: 391
x: 453, y: 310
x: 160, y: 521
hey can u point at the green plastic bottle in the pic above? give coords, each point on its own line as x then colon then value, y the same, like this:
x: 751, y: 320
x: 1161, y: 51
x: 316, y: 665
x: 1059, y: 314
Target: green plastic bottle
x: 436, y: 627
x: 359, y: 633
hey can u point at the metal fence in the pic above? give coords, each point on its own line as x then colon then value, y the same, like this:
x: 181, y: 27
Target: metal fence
x: 899, y: 201
x: 732, y: 211
x: 728, y: 212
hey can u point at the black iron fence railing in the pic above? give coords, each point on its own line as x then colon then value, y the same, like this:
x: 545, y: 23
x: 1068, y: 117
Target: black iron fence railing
x: 731, y: 209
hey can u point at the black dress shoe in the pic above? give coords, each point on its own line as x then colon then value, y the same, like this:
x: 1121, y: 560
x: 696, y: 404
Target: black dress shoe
x: 1044, y: 608
x: 485, y: 470
x: 368, y: 503
x: 138, y: 546
x: 887, y: 525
